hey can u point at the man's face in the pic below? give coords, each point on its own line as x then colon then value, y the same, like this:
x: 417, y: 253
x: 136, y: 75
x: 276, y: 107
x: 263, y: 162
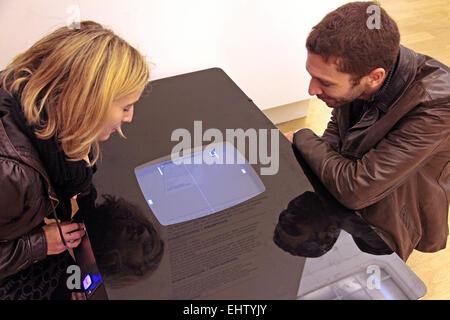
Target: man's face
x: 333, y: 87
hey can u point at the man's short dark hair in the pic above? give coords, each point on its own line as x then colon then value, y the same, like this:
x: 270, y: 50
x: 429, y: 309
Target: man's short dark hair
x: 344, y: 35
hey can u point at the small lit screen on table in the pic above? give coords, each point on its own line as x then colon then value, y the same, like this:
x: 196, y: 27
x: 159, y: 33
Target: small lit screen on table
x: 198, y: 184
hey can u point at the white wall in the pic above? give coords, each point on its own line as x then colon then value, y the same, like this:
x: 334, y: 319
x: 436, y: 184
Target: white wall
x: 258, y: 43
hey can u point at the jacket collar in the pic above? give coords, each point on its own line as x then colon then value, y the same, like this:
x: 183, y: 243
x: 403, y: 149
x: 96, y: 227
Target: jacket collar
x: 395, y: 84
x: 355, y: 142
x: 403, y: 74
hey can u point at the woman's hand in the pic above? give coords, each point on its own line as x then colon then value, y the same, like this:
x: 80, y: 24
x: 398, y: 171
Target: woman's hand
x: 78, y: 296
x: 72, y: 232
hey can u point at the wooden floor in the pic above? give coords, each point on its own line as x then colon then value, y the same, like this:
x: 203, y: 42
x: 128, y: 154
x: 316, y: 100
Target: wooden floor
x: 424, y: 27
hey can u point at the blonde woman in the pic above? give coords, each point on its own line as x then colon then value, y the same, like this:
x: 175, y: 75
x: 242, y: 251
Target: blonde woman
x: 58, y: 100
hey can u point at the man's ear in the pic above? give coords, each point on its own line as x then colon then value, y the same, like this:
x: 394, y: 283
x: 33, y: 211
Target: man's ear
x: 376, y: 77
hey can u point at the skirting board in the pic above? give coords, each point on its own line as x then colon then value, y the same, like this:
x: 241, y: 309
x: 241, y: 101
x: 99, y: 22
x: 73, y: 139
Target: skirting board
x: 287, y: 112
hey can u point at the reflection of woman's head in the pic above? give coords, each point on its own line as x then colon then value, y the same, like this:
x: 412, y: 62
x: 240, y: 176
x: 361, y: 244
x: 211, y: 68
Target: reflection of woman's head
x: 69, y: 80
x: 126, y: 245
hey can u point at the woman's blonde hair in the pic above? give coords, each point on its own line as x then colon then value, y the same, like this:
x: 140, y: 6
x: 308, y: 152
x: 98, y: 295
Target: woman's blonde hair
x: 74, y: 75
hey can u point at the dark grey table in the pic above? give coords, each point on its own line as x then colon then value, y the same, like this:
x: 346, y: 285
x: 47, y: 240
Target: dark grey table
x: 226, y: 255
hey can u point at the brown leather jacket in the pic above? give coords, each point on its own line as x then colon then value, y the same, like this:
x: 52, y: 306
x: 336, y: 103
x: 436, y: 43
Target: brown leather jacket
x: 393, y: 165
x: 25, y: 197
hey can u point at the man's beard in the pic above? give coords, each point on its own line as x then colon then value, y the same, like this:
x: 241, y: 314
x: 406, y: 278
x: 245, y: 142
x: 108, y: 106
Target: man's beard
x: 355, y: 93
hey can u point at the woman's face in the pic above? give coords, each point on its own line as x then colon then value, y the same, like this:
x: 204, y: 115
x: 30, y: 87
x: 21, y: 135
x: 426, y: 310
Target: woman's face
x: 120, y: 111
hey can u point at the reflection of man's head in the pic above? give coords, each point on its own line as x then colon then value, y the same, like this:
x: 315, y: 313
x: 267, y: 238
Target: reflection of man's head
x: 126, y: 245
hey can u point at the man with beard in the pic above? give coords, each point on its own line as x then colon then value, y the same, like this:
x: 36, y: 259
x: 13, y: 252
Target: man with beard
x: 385, y: 154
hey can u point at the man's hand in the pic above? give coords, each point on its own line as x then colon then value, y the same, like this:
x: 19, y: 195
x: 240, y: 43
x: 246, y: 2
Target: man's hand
x: 72, y: 232
x: 290, y: 136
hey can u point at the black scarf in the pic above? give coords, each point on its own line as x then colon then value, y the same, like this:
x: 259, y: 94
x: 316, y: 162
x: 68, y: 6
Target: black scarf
x: 68, y: 178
